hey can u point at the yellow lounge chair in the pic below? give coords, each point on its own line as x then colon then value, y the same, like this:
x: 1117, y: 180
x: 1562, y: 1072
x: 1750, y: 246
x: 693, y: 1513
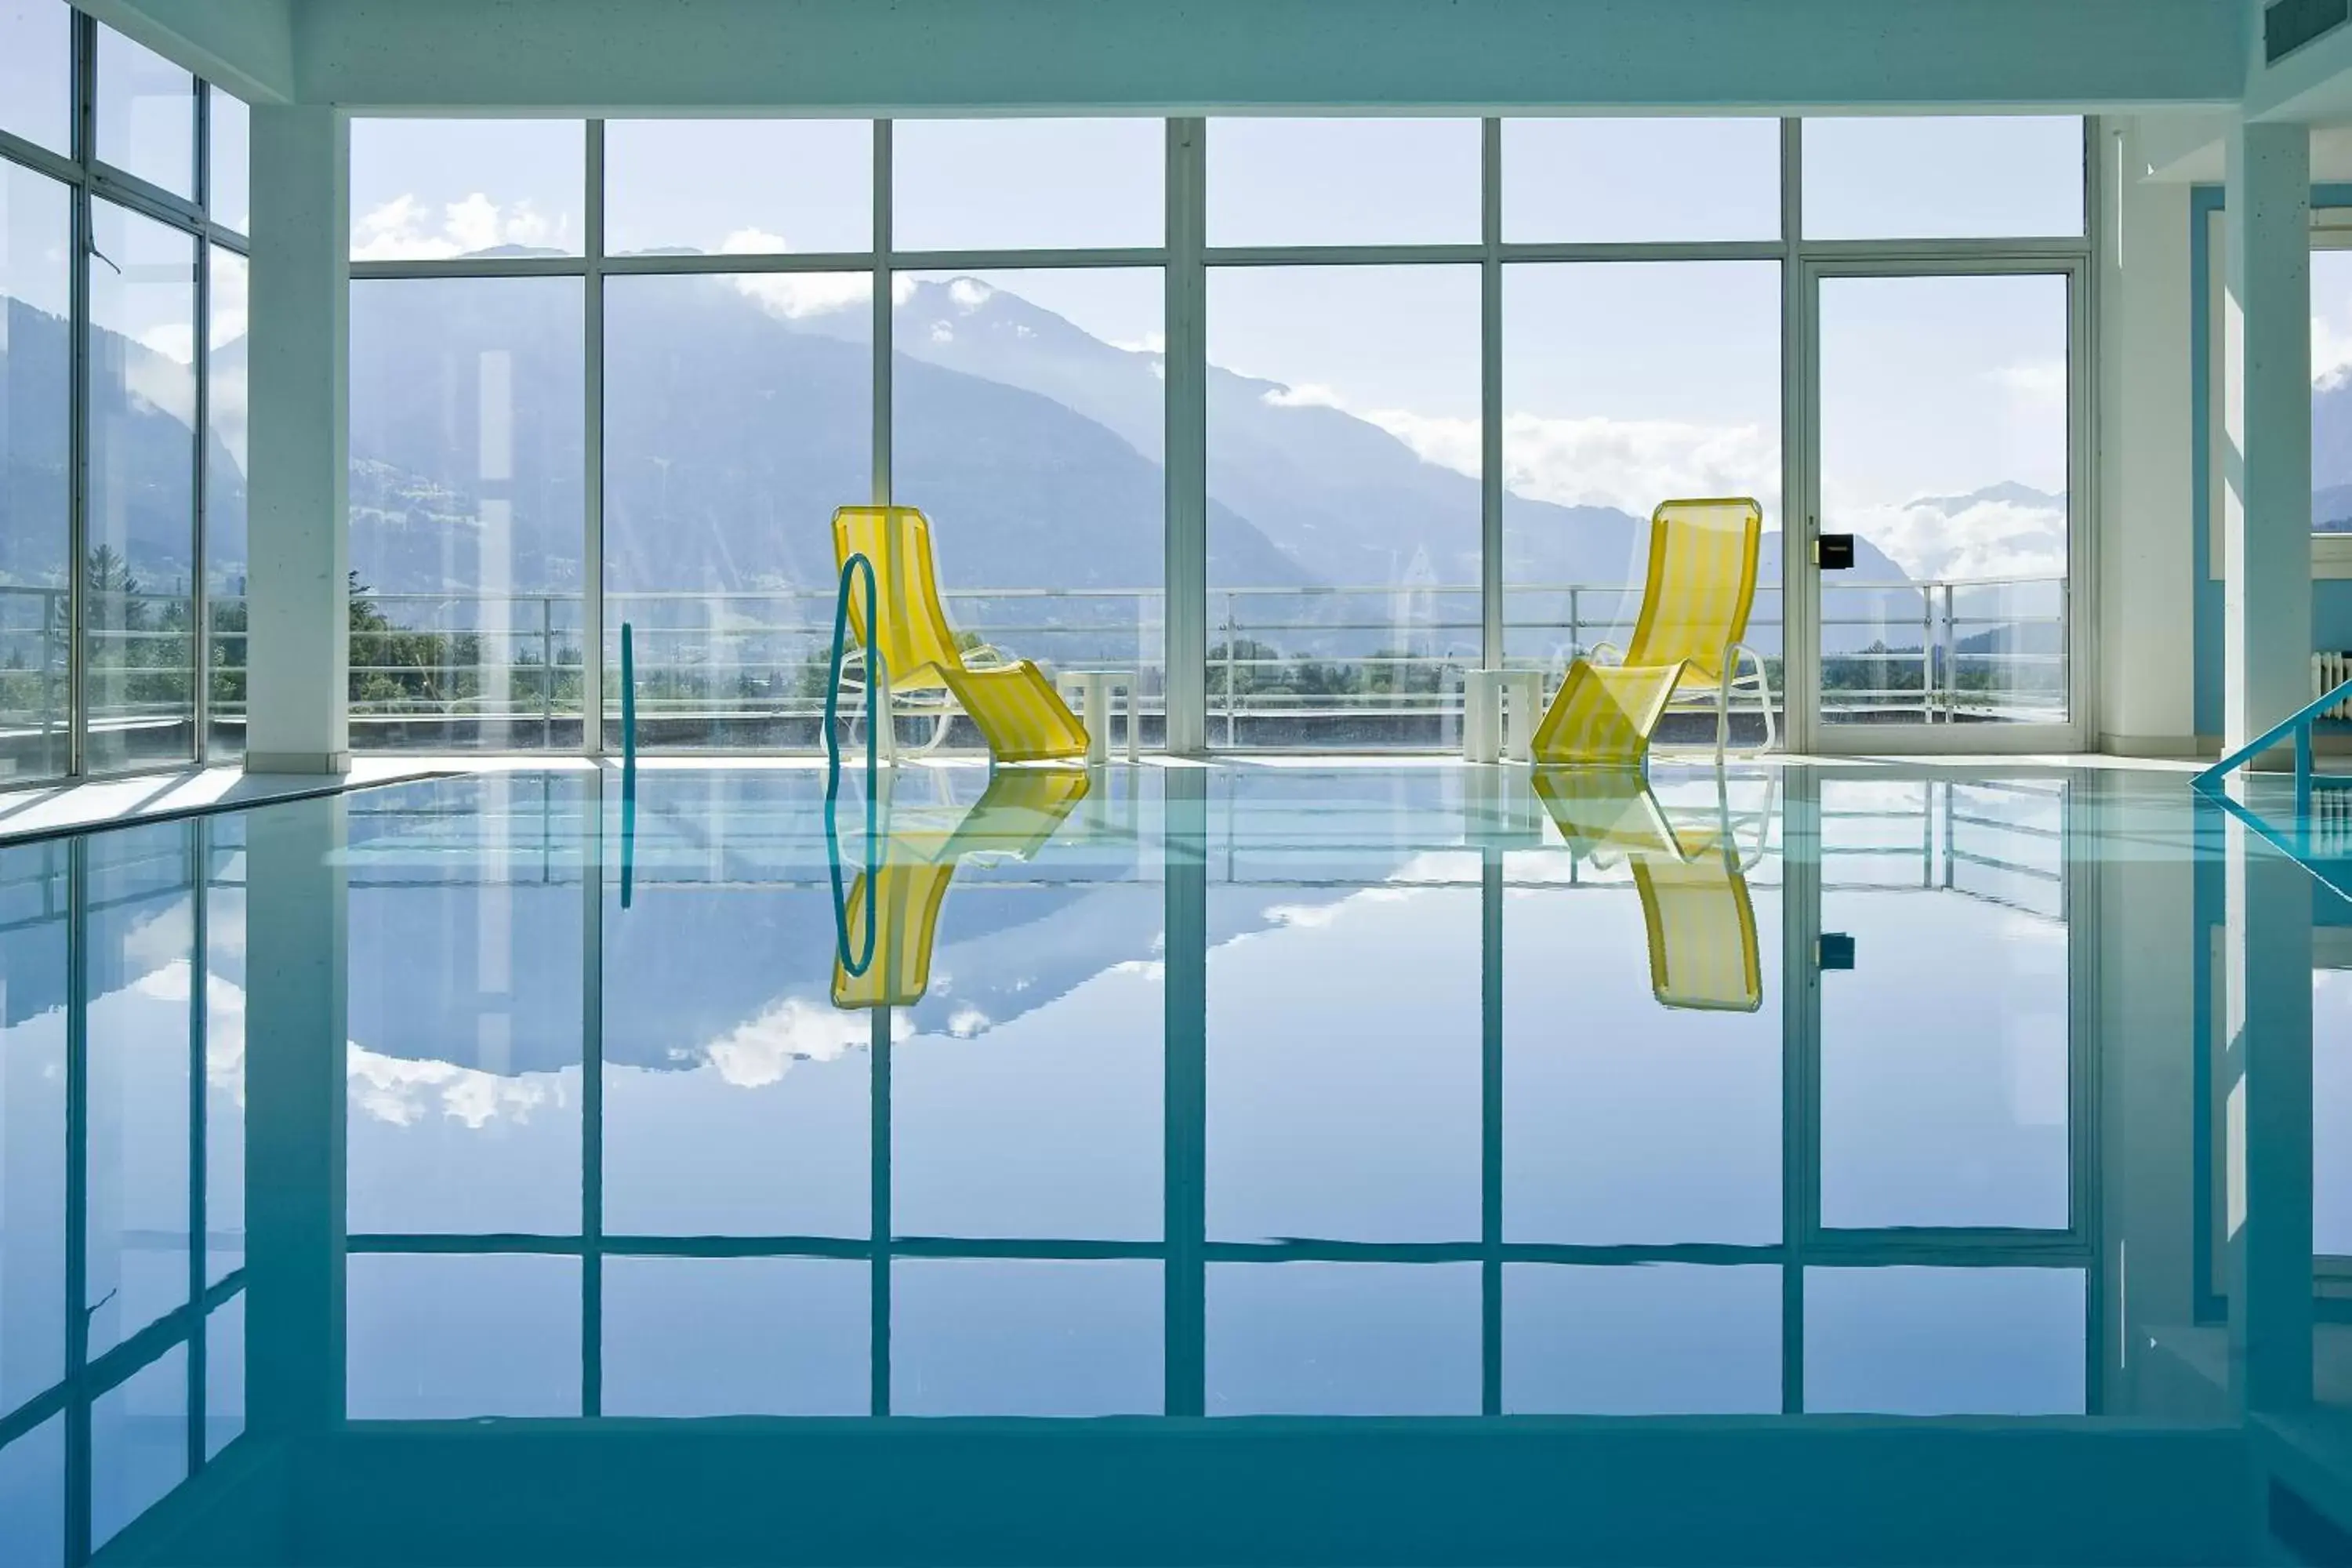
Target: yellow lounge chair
x: 1687, y: 638
x: 1696, y: 912
x: 1012, y: 704
x: 1015, y: 817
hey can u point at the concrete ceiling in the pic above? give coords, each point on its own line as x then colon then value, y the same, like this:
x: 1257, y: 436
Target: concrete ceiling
x: 1161, y: 56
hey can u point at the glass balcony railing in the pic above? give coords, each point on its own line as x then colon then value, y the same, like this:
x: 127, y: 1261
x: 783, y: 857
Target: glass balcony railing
x: 1369, y: 667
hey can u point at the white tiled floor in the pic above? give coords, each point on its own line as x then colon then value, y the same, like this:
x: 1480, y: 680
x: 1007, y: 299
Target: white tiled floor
x: 26, y: 813
x: 29, y: 813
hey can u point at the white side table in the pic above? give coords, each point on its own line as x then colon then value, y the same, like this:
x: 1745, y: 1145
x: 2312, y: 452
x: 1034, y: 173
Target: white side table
x: 1500, y: 711
x: 1094, y: 688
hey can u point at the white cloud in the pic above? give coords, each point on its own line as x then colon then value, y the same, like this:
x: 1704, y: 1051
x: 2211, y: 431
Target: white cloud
x: 1308, y: 394
x: 1629, y: 464
x: 2040, y: 385
x: 1148, y: 344
x: 2002, y: 538
x: 967, y: 1021
x: 796, y: 296
x: 2331, y: 353
x: 969, y: 294
x: 407, y: 228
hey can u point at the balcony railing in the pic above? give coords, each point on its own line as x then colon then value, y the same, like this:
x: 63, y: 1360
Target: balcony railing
x: 1364, y: 665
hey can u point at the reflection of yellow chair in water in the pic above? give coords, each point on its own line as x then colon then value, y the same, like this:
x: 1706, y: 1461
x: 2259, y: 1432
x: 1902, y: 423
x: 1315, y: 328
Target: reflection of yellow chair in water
x: 1695, y: 906
x: 1695, y: 605
x: 1014, y: 707
x: 1018, y: 813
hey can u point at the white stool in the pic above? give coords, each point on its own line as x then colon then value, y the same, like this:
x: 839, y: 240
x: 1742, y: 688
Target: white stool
x: 1500, y: 710
x: 1094, y: 688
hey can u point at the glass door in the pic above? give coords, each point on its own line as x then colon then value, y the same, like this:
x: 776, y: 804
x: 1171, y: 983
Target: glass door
x: 1944, y: 558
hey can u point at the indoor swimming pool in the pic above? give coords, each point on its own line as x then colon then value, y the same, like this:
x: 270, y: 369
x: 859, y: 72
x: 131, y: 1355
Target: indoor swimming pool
x: 539, y: 1144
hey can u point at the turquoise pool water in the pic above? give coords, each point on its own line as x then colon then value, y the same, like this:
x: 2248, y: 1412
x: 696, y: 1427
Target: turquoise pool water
x: 500, y: 1167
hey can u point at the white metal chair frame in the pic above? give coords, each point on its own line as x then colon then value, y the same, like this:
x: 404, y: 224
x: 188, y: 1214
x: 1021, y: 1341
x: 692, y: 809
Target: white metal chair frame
x: 940, y: 705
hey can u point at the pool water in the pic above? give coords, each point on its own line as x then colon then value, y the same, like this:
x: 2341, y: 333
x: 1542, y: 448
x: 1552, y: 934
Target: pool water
x: 456, y: 1143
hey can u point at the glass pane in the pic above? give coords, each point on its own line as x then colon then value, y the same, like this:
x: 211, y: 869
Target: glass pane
x: 466, y: 427
x: 1604, y: 421
x: 736, y: 1096
x: 1343, y: 181
x: 2331, y: 371
x: 36, y: 399
x: 1342, y: 1339
x: 738, y: 415
x: 465, y: 1009
x: 1945, y: 1341
x: 1594, y: 181
x: 1651, y: 1339
x: 1926, y: 177
x: 1017, y: 1337
x: 1343, y: 504
x: 1027, y: 424
x: 1676, y: 1142
x: 1944, y: 1062
x: 230, y: 198
x: 224, y: 1374
x: 738, y: 187
x: 146, y: 114
x: 1026, y: 184
x: 33, y: 883
x: 137, y: 1444
x: 1343, y: 1064
x: 33, y: 1496
x: 141, y: 524
x: 225, y: 984
x: 225, y: 502
x: 434, y: 1338
x: 37, y: 72
x: 772, y: 1336
x: 439, y: 188
x: 140, y: 927
x: 1943, y: 452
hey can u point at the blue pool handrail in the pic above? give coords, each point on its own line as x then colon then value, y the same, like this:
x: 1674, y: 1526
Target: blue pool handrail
x: 854, y: 964
x: 2300, y: 721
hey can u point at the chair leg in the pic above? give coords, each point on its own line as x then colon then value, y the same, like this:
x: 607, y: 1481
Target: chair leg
x: 1723, y: 710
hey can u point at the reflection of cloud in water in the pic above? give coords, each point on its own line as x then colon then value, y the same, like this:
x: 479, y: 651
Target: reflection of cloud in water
x: 403, y: 1092
x: 762, y: 1050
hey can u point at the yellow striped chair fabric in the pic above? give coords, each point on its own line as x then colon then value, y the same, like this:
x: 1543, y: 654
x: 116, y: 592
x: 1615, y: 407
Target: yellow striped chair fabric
x: 1695, y: 606
x: 1603, y: 713
x: 1019, y: 812
x: 1696, y: 914
x: 1015, y: 708
x: 1701, y: 929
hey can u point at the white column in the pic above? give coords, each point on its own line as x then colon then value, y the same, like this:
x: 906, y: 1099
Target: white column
x: 1184, y: 627
x: 298, y: 653
x: 2147, y: 558
x: 2266, y: 441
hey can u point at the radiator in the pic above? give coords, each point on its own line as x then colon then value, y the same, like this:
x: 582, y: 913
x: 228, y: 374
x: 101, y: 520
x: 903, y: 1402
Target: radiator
x: 2328, y: 671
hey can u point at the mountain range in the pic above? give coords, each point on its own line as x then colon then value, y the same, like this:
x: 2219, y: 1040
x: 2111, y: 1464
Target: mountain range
x: 733, y: 427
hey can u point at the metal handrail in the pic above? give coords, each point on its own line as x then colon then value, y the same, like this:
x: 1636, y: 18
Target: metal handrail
x: 2299, y: 722
x: 878, y: 715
